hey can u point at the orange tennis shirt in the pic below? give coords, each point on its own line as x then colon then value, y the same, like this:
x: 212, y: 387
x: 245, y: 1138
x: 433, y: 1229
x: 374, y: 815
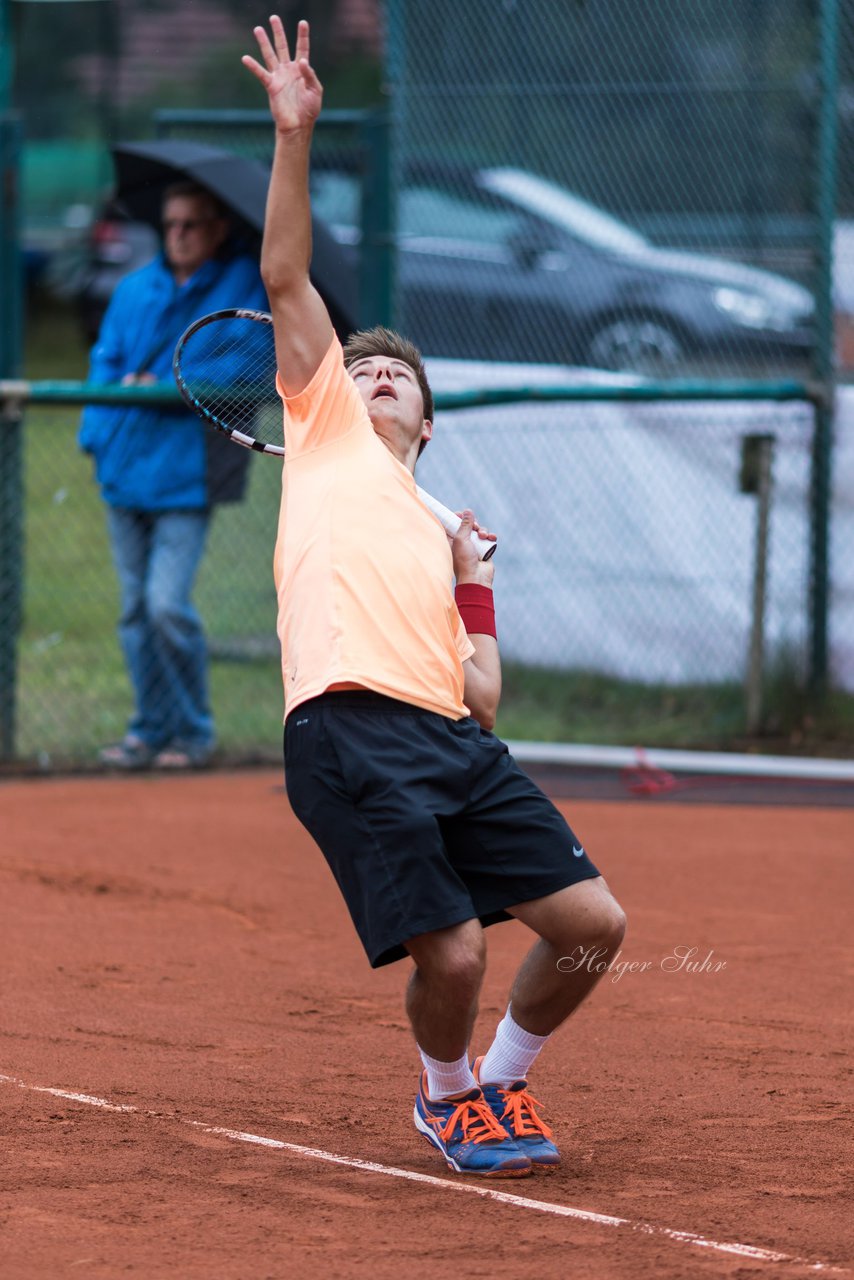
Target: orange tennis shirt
x: 363, y: 570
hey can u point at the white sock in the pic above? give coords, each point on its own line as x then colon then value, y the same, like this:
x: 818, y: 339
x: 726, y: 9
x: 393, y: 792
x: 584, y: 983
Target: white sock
x: 447, y: 1078
x: 512, y: 1054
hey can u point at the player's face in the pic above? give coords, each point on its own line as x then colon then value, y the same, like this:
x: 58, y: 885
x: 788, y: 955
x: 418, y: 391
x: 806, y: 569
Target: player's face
x: 394, y: 402
x: 192, y: 233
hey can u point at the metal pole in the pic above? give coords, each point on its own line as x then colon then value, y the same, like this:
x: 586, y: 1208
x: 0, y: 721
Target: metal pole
x: 396, y: 87
x: 5, y: 54
x: 378, y: 249
x: 11, y: 291
x: 823, y: 360
x: 11, y: 568
x: 763, y: 463
x: 11, y: 479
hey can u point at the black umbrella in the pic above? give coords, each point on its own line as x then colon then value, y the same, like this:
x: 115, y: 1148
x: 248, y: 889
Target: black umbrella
x: 144, y: 169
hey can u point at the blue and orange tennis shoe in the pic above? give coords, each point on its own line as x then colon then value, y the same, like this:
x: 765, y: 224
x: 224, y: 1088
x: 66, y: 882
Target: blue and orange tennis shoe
x: 515, y: 1109
x: 469, y: 1137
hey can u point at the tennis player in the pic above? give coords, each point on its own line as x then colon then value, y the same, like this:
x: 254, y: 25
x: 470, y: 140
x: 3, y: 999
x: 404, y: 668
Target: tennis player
x: 392, y: 682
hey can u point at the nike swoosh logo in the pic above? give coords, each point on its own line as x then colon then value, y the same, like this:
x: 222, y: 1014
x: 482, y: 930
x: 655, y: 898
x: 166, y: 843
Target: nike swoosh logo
x: 577, y: 853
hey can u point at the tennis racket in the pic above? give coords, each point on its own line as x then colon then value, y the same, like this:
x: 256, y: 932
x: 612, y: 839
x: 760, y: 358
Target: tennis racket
x: 225, y: 368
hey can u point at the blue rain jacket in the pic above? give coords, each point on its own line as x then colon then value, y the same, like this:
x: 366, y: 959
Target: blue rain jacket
x: 156, y: 459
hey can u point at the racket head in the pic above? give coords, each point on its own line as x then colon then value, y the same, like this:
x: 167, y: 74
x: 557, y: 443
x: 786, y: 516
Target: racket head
x: 225, y: 369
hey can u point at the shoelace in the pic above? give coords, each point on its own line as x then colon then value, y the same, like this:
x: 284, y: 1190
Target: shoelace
x: 478, y: 1122
x: 519, y: 1107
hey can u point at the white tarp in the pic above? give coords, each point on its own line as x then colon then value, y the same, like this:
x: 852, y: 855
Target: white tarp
x: 626, y: 546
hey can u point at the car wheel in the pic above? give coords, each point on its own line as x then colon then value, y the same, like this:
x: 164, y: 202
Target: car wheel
x: 636, y: 344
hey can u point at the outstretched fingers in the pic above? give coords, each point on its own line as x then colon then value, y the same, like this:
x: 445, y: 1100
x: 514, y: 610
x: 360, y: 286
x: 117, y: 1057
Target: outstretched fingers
x: 302, y: 47
x: 273, y: 56
x: 255, y: 67
x: 294, y: 91
x: 268, y: 53
x: 281, y: 40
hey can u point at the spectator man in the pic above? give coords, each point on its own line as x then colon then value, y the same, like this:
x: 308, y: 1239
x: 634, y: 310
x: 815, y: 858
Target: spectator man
x: 161, y: 471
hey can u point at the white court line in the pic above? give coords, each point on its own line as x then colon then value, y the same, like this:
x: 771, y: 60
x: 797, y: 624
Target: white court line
x: 487, y: 1193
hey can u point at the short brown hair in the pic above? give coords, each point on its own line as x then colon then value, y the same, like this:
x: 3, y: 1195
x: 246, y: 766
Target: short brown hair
x: 380, y: 341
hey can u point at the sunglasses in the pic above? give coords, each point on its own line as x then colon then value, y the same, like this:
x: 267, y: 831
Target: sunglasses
x: 185, y: 224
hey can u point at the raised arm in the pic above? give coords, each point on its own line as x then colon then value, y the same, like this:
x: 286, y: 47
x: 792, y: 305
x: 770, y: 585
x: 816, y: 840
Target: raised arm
x: 302, y: 326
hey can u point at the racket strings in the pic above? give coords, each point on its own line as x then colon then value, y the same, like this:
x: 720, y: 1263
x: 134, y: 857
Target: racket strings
x: 228, y: 368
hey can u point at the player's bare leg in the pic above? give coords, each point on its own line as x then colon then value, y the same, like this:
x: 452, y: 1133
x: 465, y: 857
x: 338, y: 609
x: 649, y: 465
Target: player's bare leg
x: 582, y: 927
x: 575, y: 925
x: 450, y: 1110
x: 442, y: 996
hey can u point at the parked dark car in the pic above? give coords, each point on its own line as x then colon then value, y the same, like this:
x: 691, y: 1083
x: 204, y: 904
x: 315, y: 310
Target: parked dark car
x: 502, y: 264
x: 116, y: 247
x: 87, y: 268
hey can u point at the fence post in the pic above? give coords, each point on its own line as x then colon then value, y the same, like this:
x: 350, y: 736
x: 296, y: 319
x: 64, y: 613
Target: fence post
x: 823, y: 359
x: 11, y: 512
x: 756, y: 462
x: 378, y: 250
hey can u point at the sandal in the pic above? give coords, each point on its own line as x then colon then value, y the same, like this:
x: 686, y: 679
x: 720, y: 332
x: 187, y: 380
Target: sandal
x: 130, y: 753
x: 183, y: 755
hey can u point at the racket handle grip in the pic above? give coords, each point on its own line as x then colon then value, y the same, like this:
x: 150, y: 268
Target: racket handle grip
x: 451, y: 522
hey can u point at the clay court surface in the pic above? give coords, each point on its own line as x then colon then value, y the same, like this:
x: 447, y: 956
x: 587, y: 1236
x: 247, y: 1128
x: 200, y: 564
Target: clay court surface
x: 176, y: 948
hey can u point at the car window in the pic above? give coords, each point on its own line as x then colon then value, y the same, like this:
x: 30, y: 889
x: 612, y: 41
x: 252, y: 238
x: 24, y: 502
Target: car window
x: 434, y: 213
x: 544, y: 199
x: 425, y: 212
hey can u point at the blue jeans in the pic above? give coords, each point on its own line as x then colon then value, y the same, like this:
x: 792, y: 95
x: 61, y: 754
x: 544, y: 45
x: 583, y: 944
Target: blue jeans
x: 157, y: 555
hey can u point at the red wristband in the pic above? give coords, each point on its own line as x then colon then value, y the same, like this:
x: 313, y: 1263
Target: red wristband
x: 477, y: 608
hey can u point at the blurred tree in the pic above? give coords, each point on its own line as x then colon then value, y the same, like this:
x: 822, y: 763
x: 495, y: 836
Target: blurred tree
x: 642, y: 109
x: 62, y: 97
x: 48, y: 38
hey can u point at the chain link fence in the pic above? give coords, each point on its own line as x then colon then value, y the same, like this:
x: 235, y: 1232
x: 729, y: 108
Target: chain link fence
x: 628, y: 548
x: 74, y: 694
x: 636, y: 187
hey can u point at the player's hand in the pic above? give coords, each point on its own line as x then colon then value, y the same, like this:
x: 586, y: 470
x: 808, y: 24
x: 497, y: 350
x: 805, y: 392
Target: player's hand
x: 468, y: 567
x: 294, y: 90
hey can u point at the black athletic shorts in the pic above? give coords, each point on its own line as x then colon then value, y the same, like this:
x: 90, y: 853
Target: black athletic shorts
x: 425, y: 821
